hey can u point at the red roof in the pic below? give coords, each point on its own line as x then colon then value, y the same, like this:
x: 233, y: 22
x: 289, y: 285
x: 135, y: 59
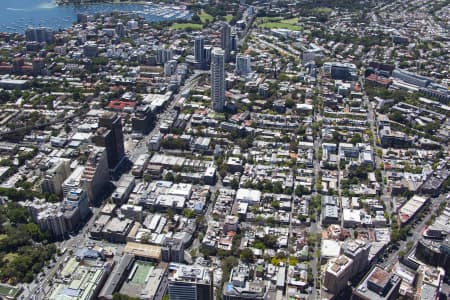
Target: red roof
x: 120, y: 104
x: 379, y: 79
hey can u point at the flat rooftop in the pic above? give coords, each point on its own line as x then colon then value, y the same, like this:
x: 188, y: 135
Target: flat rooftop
x: 143, y: 250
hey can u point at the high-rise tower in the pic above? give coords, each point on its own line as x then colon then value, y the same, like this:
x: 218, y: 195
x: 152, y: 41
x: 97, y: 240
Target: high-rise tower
x: 199, y: 45
x: 218, y: 79
x: 243, y: 64
x: 110, y: 135
x: 225, y: 39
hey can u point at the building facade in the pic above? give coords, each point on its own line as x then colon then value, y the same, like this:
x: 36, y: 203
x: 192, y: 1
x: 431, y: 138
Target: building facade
x: 218, y: 79
x: 96, y: 174
x: 243, y: 66
x: 225, y: 40
x: 199, y: 45
x: 110, y: 135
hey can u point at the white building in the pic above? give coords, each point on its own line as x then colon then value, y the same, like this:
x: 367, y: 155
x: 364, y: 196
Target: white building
x: 73, y: 181
x: 248, y: 196
x: 337, y: 274
x: 218, y: 79
x: 54, y: 177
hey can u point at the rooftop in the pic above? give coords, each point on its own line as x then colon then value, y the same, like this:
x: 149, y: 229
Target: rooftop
x: 143, y: 250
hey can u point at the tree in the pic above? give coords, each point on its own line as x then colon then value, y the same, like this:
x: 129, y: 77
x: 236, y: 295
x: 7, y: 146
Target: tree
x: 147, y: 178
x: 4, y: 96
x: 235, y: 184
x: 397, y: 117
x: 356, y: 138
x: 292, y: 261
x: 227, y: 264
x: 170, y: 213
x: 268, y: 186
x: 222, y: 253
x: 259, y: 245
x: 300, y: 190
x: 270, y: 241
x: 247, y: 255
x: 16, y: 213
x: 277, y: 187
x: 196, y: 19
x: 290, y: 103
x: 189, y: 213
x: 169, y: 176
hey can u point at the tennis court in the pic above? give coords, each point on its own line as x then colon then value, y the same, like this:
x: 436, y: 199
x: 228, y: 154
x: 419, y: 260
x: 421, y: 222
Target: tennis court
x: 142, y: 270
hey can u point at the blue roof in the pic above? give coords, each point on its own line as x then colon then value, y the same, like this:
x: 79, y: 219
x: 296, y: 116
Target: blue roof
x: 198, y: 206
x: 86, y: 252
x: 71, y: 292
x: 229, y: 287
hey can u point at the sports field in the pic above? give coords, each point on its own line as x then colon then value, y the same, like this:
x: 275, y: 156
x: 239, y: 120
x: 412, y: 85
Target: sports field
x: 186, y: 26
x: 141, y: 273
x: 8, y: 291
x: 278, y: 22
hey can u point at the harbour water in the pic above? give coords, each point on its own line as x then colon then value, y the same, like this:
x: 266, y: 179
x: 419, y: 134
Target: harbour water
x: 17, y: 15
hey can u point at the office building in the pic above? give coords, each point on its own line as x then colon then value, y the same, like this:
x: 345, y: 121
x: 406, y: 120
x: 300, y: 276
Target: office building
x: 338, y: 273
x: 39, y: 34
x: 170, y: 67
x: 125, y: 186
x: 172, y: 250
x: 188, y: 282
x: 58, y: 219
x: 378, y: 284
x: 434, y: 252
x: 140, y: 165
x: 155, y: 142
x: 233, y: 40
x: 95, y: 175
x: 340, y: 71
x: 77, y: 198
x: 132, y: 212
x: 394, y: 138
x: 73, y: 181
x: 120, y: 29
x: 163, y: 55
x: 358, y: 251
x: 110, y: 135
x: 142, y: 120
x: 199, y: 45
x: 243, y: 64
x: 90, y: 49
x: 38, y: 66
x: 59, y: 170
x: 225, y: 40
x: 75, y: 209
x: 115, y: 230
x: 411, y: 78
x: 52, y: 220
x: 218, y: 79
x: 207, y: 52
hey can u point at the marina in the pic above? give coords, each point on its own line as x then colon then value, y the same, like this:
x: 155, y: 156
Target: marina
x: 18, y: 15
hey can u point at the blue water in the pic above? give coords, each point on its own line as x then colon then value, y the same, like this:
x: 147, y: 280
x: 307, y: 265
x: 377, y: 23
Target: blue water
x: 18, y: 15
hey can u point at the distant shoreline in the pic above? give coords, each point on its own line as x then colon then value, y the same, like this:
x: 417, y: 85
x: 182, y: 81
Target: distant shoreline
x: 88, y: 2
